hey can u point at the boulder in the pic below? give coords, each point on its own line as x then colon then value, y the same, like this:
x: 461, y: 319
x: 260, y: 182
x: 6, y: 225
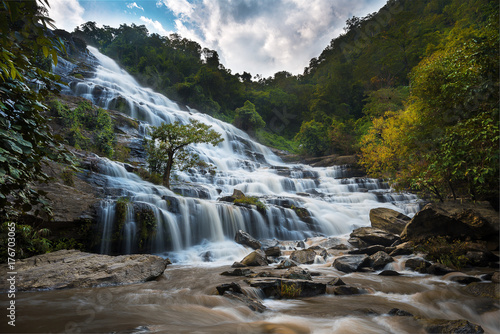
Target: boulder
x: 238, y: 265
x: 374, y: 236
x: 273, y: 251
x: 287, y: 288
x: 417, y: 264
x: 336, y: 281
x: 464, y: 279
x: 487, y: 290
x: 297, y: 273
x: 368, y: 250
x: 405, y: 248
x: 237, y: 194
x: 379, y: 260
x: 388, y: 220
x: 399, y: 313
x: 287, y: 263
x: 252, y: 303
x: 349, y: 263
x: 255, y: 259
x: 238, y: 272
x: 75, y: 269
x: 243, y: 238
x: 303, y: 256
x: 345, y: 290
x: 454, y: 221
x: 439, y: 269
x: 389, y: 273
x: 450, y: 326
x: 234, y: 287
x: 356, y: 242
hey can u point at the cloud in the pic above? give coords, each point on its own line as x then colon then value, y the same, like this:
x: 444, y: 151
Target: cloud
x: 67, y: 14
x: 178, y: 7
x: 263, y: 37
x: 134, y: 5
x: 155, y: 26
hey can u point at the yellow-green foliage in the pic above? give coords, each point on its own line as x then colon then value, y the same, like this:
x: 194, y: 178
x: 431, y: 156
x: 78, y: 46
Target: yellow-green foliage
x: 448, y: 253
x: 289, y: 289
x: 252, y: 201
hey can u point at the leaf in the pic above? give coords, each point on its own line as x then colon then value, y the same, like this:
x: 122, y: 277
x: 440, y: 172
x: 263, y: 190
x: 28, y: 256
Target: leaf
x: 45, y: 51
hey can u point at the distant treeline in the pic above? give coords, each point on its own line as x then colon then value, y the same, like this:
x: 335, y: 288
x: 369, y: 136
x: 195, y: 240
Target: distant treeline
x: 409, y: 87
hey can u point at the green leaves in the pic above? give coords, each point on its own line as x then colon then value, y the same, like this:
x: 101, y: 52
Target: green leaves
x: 167, y: 147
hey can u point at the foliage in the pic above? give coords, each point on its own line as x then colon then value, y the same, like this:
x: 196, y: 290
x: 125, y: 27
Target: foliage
x: 29, y: 241
x: 450, y: 254
x: 168, y: 145
x: 313, y: 138
x: 272, y: 139
x: 67, y: 176
x: 251, y: 201
x: 247, y: 118
x: 289, y: 290
x: 447, y: 140
x: 89, y: 127
x: 26, y: 142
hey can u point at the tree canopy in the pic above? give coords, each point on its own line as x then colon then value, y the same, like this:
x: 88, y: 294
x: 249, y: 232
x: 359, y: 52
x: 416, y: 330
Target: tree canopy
x: 167, y: 148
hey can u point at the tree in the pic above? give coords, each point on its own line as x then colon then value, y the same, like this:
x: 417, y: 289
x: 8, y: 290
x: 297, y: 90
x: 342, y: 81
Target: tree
x: 313, y: 136
x: 247, y: 118
x: 26, y: 141
x: 167, y: 147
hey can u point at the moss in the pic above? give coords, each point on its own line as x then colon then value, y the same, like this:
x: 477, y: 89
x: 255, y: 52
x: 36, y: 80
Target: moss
x: 146, y: 219
x: 121, y: 210
x: 67, y: 176
x: 289, y: 290
x: 251, y: 201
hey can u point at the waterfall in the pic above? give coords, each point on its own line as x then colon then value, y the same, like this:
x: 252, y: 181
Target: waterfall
x: 300, y: 201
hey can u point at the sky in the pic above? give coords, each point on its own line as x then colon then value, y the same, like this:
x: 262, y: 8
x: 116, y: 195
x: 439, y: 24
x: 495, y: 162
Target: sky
x: 257, y: 36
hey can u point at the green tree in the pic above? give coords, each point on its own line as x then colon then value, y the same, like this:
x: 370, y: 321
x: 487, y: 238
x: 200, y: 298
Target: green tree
x: 167, y: 147
x: 247, y: 118
x: 25, y: 138
x: 313, y: 138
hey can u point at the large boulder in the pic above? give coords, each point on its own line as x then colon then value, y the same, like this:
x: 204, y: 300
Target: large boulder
x: 455, y: 221
x: 349, y: 263
x: 374, y: 236
x: 255, y: 259
x: 288, y: 288
x: 388, y: 220
x: 450, y: 326
x: 303, y: 256
x: 379, y: 260
x: 243, y: 238
x: 75, y: 269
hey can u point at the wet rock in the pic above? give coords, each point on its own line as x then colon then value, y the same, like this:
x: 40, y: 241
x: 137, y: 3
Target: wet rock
x: 439, y: 269
x: 238, y: 265
x: 75, y: 269
x: 286, y: 288
x: 399, y: 313
x: 237, y: 194
x: 273, y: 251
x: 495, y: 278
x: 251, y: 303
x: 379, y: 260
x: 256, y: 258
x: 374, y: 236
x: 207, y: 256
x: 357, y: 242
x: 388, y: 220
x: 349, y: 263
x: 340, y: 247
x: 450, y: 326
x: 238, y: 272
x: 481, y: 289
x: 300, y: 244
x: 297, y: 273
x: 303, y: 256
x: 479, y: 258
x: 476, y: 221
x: 233, y: 287
x: 332, y: 243
x: 465, y: 279
x: 368, y: 250
x: 417, y: 264
x: 337, y: 281
x: 243, y: 238
x: 389, y: 273
x: 405, y: 248
x: 345, y: 290
x: 287, y: 263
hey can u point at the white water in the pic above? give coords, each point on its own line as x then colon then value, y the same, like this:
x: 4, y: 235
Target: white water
x: 188, y: 226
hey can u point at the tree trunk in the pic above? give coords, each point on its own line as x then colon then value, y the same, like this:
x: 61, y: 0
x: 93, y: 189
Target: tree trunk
x: 168, y: 169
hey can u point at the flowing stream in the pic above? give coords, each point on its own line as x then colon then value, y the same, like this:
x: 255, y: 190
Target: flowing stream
x: 196, y: 230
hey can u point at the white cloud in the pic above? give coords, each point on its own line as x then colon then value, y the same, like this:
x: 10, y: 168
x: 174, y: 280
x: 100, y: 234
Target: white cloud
x: 67, y: 14
x: 155, y: 26
x: 263, y: 37
x: 178, y: 7
x: 134, y: 5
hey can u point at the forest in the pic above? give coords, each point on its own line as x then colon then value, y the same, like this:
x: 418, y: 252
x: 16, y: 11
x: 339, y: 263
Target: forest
x: 411, y: 89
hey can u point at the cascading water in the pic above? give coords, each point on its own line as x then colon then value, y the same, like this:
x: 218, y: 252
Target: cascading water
x: 300, y: 201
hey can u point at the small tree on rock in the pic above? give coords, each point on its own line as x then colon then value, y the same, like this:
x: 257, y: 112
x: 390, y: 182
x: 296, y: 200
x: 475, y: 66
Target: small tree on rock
x: 167, y: 147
